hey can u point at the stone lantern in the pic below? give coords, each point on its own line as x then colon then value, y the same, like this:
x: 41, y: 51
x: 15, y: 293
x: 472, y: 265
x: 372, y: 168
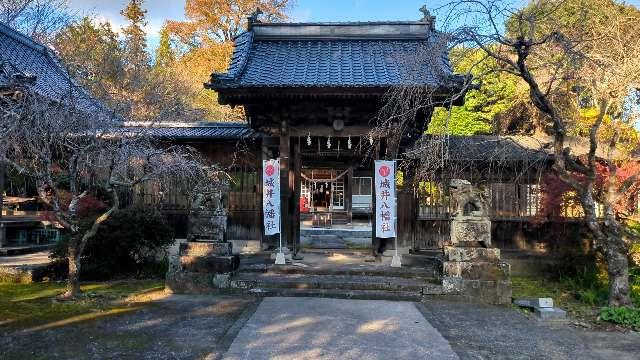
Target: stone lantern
x: 471, y: 268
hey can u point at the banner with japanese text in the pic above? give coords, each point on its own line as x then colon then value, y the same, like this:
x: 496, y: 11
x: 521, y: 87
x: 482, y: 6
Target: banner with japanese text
x: 271, y: 196
x: 385, y: 177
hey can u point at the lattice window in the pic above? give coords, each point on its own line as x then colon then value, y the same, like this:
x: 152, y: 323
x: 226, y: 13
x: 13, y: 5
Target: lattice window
x: 433, y: 203
x: 337, y: 195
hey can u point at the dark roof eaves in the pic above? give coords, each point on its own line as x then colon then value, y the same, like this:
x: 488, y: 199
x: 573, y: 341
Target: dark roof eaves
x: 21, y: 38
x: 339, y: 23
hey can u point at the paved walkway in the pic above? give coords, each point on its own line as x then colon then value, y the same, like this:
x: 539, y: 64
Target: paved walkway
x: 318, y: 328
x: 37, y: 258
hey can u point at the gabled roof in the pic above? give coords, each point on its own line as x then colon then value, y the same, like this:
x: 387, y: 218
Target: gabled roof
x: 337, y: 55
x: 23, y: 58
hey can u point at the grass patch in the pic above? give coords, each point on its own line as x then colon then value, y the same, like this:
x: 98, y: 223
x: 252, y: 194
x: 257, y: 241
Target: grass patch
x: 24, y: 306
x: 563, y: 294
x: 583, y: 295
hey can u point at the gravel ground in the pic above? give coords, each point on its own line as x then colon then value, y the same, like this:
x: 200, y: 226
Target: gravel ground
x: 176, y: 327
x: 491, y: 332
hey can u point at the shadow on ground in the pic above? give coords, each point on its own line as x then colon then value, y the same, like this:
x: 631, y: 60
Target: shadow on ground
x: 175, y: 327
x: 492, y: 332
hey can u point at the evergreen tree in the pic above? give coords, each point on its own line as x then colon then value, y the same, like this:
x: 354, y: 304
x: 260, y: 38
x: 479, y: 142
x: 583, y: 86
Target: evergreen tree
x: 92, y: 54
x: 165, y: 56
x: 136, y: 57
x: 482, y: 107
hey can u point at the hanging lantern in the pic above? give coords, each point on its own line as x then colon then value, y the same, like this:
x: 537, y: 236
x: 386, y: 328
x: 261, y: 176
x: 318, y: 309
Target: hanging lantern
x: 349, y: 142
x: 329, y: 143
x: 309, y: 139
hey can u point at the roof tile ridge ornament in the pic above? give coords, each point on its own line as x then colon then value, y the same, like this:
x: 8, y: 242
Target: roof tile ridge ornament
x: 427, y: 17
x: 253, y: 18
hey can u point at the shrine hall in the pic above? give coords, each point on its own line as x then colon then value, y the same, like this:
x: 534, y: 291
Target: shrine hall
x: 310, y: 93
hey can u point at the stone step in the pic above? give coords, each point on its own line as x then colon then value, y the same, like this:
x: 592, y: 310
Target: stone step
x: 430, y: 274
x: 193, y: 248
x: 344, y: 282
x: 327, y: 242
x: 339, y: 232
x: 341, y: 294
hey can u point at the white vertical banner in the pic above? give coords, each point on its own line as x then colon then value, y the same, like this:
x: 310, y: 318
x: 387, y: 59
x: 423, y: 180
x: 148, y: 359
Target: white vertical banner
x: 271, y: 196
x: 385, y: 178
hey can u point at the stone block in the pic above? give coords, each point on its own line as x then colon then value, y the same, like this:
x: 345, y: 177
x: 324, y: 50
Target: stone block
x: 466, y: 229
x: 535, y: 302
x: 245, y: 246
x: 392, y: 252
x: 288, y: 255
x: 205, y: 248
x: 550, y: 314
x: 454, y: 253
x: 479, y: 291
x: 476, y: 270
x: 183, y: 282
x: 210, y: 264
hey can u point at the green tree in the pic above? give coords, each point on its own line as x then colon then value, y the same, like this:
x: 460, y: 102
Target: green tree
x: 165, y: 55
x: 92, y: 54
x: 203, y: 44
x: 482, y: 107
x: 136, y: 57
x: 575, y: 55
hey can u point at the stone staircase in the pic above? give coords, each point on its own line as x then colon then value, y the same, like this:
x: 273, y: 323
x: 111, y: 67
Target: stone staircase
x: 335, y: 238
x: 362, y: 281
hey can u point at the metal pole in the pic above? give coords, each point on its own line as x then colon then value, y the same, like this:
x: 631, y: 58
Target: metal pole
x: 395, y: 262
x: 280, y: 255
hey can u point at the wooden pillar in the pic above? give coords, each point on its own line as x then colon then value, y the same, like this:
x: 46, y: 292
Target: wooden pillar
x: 3, y: 232
x: 285, y: 185
x: 374, y: 239
x: 348, y: 193
x: 295, y: 201
x: 262, y: 155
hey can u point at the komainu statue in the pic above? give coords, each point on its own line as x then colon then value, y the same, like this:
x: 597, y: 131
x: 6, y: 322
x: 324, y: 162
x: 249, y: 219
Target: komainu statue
x: 470, y: 222
x: 207, y: 217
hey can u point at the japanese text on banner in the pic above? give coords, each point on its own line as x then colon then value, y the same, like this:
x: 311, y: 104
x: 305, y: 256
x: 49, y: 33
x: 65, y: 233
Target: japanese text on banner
x: 385, y: 177
x: 271, y: 196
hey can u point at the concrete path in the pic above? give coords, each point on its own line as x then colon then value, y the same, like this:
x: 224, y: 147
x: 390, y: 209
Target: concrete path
x: 38, y: 258
x: 318, y: 328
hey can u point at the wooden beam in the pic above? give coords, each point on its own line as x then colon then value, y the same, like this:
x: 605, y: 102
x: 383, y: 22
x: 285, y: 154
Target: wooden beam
x: 285, y: 185
x: 348, y: 193
x: 297, y: 187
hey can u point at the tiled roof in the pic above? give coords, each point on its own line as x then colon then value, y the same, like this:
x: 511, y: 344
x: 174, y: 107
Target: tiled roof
x: 22, y: 57
x: 339, y: 55
x: 201, y: 130
x: 483, y: 148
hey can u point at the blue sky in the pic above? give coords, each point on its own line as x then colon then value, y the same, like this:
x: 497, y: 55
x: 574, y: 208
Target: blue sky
x: 304, y: 10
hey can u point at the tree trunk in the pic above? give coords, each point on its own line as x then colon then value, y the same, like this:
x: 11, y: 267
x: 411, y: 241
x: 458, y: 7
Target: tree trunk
x: 618, y: 269
x: 73, y: 277
x: 608, y: 238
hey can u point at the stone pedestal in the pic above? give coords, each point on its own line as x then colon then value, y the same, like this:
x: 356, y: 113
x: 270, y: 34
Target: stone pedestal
x: 206, y: 261
x: 471, y: 269
x: 200, y: 267
x: 476, y: 274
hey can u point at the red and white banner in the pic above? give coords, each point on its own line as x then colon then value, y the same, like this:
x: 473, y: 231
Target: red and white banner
x: 385, y: 177
x: 271, y: 196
